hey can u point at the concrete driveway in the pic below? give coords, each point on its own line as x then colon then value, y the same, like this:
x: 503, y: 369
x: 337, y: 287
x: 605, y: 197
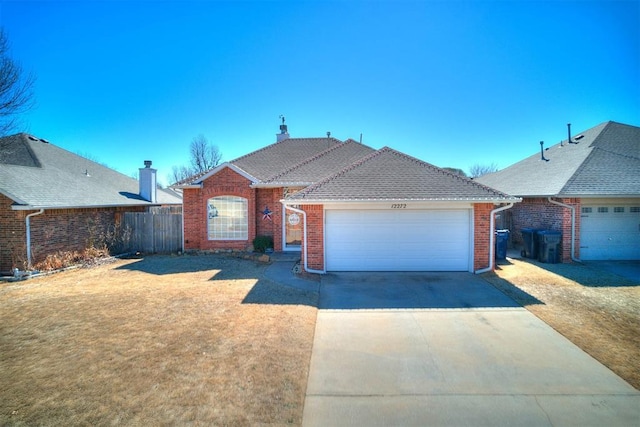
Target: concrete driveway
x: 449, y: 349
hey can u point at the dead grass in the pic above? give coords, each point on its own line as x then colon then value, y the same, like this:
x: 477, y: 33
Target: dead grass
x: 596, y: 310
x: 200, y: 340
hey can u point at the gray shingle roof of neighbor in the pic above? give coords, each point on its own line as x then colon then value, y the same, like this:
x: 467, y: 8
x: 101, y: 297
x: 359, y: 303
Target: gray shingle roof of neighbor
x: 387, y: 175
x: 601, y: 161
x: 38, y: 174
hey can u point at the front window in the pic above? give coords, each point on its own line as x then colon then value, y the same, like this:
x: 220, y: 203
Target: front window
x: 228, y: 218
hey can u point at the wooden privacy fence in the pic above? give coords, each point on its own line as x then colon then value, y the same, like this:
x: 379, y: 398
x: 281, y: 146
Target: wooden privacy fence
x: 153, y: 232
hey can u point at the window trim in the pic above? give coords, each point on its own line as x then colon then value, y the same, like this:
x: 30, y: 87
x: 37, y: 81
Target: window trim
x: 224, y: 204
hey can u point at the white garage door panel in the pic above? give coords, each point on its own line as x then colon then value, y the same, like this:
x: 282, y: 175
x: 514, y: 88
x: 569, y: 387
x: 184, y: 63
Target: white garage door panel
x: 384, y: 240
x: 610, y: 235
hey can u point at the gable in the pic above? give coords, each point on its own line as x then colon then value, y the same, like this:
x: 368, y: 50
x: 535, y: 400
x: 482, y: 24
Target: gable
x: 227, y: 180
x: 225, y: 167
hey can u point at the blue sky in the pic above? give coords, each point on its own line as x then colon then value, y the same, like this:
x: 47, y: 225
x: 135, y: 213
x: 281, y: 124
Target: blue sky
x: 452, y: 83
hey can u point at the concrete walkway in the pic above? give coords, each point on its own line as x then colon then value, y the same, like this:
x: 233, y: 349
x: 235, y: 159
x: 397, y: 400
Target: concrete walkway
x: 415, y: 349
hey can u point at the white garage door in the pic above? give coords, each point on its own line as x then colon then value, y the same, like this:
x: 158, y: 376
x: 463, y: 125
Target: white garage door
x: 397, y: 240
x: 610, y: 232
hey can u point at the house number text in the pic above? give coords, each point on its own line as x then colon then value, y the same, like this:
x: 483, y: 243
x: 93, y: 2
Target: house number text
x: 399, y: 206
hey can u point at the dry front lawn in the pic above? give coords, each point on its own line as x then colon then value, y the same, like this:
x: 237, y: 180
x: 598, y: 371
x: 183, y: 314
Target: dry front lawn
x: 596, y: 310
x: 193, y: 340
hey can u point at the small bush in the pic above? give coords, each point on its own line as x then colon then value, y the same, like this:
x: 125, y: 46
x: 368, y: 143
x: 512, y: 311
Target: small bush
x: 262, y: 243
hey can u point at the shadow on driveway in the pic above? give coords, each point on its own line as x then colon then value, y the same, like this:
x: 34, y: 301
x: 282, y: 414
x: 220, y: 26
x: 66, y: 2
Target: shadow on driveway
x: 598, y: 274
x: 352, y: 291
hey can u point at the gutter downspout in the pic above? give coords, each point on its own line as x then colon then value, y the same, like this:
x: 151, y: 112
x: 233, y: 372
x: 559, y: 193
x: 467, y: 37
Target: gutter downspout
x: 304, y: 225
x: 492, y: 237
x: 28, y: 224
x: 573, y: 226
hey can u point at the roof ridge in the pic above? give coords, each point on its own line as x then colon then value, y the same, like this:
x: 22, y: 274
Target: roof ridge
x: 312, y: 159
x: 343, y: 171
x: 277, y: 143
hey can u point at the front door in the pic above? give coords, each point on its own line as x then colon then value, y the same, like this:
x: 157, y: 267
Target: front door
x: 292, y: 230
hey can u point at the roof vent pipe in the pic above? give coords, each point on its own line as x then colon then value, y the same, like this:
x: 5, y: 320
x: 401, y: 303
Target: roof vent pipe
x: 542, y: 152
x: 569, y: 133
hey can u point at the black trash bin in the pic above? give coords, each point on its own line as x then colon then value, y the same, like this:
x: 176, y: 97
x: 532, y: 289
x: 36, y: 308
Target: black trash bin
x: 530, y: 242
x: 549, y: 250
x: 502, y: 238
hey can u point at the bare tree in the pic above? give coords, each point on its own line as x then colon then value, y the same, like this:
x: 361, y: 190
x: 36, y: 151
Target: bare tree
x: 479, y: 169
x: 179, y: 173
x: 456, y: 171
x: 203, y: 157
x: 16, y: 89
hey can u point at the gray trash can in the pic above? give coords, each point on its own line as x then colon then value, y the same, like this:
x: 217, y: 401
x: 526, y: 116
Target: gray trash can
x: 502, y: 239
x: 549, y: 250
x: 530, y: 239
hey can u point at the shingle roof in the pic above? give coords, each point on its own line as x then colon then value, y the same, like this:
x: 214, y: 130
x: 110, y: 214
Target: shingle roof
x: 281, y: 156
x: 323, y: 164
x: 37, y: 174
x: 390, y: 175
x: 605, y: 161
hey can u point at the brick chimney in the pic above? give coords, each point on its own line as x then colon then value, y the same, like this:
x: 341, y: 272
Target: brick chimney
x: 148, y: 181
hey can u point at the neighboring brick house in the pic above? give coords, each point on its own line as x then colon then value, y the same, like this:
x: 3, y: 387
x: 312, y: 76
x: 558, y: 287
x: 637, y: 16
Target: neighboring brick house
x: 52, y: 200
x: 346, y: 206
x: 587, y: 187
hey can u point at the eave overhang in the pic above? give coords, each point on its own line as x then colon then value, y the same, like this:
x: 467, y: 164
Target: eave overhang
x: 50, y: 207
x: 302, y: 201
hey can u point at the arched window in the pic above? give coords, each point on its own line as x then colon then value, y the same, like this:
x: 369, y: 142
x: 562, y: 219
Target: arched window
x: 228, y: 218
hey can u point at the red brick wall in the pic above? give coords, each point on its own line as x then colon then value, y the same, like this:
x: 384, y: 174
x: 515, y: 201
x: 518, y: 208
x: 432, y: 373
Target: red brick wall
x: 270, y: 197
x: 540, y: 213
x: 224, y: 183
x: 315, y: 236
x: 12, y: 236
x: 481, y: 224
x: 52, y: 231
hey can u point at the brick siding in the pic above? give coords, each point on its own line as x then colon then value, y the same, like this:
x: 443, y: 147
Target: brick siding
x: 53, y: 231
x: 315, y: 236
x: 481, y: 241
x: 539, y: 213
x: 12, y: 236
x: 270, y: 197
x: 226, y: 182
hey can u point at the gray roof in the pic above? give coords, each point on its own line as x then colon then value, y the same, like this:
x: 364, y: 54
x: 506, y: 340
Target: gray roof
x: 37, y: 174
x: 602, y: 161
x: 276, y: 158
x: 323, y: 164
x: 390, y: 175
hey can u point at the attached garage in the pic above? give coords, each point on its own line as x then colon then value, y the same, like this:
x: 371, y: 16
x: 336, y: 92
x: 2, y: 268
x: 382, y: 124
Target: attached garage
x: 398, y: 239
x: 610, y: 231
x: 393, y: 212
